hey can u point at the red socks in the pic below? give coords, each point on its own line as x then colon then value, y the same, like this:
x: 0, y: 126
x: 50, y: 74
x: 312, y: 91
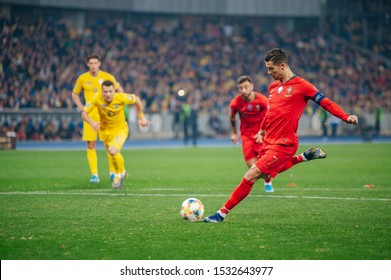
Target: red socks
x: 238, y: 194
x: 267, y: 181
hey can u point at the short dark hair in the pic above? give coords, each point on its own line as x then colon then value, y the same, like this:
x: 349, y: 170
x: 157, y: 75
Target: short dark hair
x: 277, y: 56
x: 93, y: 56
x: 243, y: 79
x: 107, y: 83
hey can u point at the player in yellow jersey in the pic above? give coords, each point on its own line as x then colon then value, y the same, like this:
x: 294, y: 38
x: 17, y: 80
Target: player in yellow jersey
x: 113, y: 127
x: 90, y: 83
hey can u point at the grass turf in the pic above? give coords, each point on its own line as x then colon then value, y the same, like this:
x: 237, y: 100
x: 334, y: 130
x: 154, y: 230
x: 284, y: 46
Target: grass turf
x: 320, y: 209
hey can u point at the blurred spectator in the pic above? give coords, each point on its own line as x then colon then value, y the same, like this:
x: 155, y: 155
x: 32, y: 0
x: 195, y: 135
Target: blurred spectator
x: 34, y: 131
x: 185, y: 120
x: 215, y: 124
x: 378, y: 118
x: 65, y: 130
x: 334, y: 123
x: 193, y: 118
x: 175, y: 109
x: 50, y: 131
x: 323, y: 115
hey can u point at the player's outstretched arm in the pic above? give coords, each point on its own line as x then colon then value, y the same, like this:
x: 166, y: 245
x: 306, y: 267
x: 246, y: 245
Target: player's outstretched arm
x: 337, y: 111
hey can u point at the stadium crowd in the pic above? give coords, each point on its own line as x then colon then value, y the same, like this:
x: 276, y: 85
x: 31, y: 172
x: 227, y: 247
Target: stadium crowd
x: 41, y: 59
x: 365, y: 23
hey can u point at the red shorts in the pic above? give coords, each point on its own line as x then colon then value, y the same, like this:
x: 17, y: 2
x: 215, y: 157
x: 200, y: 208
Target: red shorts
x: 272, y: 159
x: 250, y: 148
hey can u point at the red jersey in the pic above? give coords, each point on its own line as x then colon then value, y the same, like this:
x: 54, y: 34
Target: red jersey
x: 251, y: 113
x: 286, y: 105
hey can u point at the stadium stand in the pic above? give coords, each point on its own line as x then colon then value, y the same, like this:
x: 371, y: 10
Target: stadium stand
x: 155, y: 56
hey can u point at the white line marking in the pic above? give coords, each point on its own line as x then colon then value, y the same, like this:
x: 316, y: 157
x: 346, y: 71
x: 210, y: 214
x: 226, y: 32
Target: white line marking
x: 193, y: 195
x: 362, y: 189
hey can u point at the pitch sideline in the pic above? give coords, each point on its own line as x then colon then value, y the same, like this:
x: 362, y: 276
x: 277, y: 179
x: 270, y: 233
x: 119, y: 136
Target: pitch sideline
x: 194, y: 195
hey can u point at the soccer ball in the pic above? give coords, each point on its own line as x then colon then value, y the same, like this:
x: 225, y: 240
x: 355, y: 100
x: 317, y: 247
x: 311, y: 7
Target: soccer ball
x: 192, y: 209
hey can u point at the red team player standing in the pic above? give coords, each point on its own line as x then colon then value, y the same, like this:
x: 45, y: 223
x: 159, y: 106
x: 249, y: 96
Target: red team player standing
x: 288, y: 97
x: 251, y: 107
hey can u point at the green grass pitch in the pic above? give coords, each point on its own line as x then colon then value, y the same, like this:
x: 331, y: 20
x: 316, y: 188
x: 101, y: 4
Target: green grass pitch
x: 320, y: 210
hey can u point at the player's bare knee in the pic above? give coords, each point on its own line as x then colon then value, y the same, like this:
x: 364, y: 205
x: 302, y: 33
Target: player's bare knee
x: 112, y: 150
x: 264, y: 176
x: 253, y: 174
x: 91, y: 144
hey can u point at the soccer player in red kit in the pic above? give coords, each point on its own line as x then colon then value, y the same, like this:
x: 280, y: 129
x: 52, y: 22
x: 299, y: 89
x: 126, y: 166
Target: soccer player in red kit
x: 288, y: 97
x: 251, y: 107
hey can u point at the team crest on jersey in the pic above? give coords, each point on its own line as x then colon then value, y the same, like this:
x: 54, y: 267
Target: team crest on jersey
x: 95, y: 89
x: 280, y: 89
x: 289, y: 92
x: 103, y: 105
x: 258, y: 107
x: 250, y: 107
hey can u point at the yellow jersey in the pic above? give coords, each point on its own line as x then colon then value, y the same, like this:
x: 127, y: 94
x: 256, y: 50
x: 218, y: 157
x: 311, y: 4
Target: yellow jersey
x: 91, y: 85
x: 111, y: 114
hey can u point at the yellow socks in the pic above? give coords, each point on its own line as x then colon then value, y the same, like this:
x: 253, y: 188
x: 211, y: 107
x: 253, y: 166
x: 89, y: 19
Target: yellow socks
x: 92, y: 161
x: 111, y: 164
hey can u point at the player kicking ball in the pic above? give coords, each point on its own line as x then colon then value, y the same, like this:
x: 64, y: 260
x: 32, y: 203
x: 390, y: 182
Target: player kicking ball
x: 113, y: 126
x: 288, y: 97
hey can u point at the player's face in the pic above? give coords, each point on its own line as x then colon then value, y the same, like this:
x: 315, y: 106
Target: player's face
x: 93, y: 64
x: 246, y: 90
x: 276, y: 71
x: 108, y: 93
